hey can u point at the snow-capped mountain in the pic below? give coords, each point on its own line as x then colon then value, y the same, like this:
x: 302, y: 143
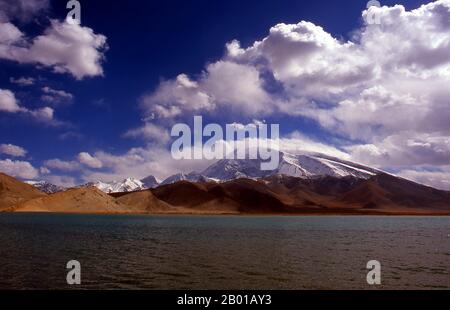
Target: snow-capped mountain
x: 127, y: 185
x: 150, y: 182
x: 303, y: 166
x: 46, y: 187
x: 192, y: 177
x: 308, y: 165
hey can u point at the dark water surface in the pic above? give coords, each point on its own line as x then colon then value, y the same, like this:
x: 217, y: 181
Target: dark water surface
x: 223, y: 252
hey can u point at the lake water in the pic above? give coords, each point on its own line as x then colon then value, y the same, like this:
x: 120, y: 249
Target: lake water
x: 223, y: 252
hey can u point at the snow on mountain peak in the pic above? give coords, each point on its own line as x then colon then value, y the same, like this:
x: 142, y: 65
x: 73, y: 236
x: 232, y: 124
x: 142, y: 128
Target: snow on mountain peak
x: 307, y: 165
x: 46, y: 187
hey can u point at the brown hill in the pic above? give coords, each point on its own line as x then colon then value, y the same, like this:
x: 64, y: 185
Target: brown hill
x: 367, y: 195
x: 79, y: 200
x: 183, y: 194
x: 389, y: 192
x: 255, y: 197
x: 146, y: 202
x: 237, y: 196
x: 197, y: 197
x: 12, y: 192
x: 381, y: 193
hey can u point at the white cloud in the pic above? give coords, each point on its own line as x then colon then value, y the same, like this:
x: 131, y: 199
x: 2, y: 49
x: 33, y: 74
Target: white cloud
x: 88, y: 160
x: 18, y: 169
x: 306, y: 59
x: 64, y: 47
x: 175, y: 96
x: 23, y: 81
x: 8, y: 102
x: 150, y: 132
x: 405, y: 149
x: 224, y: 84
x: 45, y: 114
x: 62, y: 165
x: 12, y: 150
x: 297, y: 143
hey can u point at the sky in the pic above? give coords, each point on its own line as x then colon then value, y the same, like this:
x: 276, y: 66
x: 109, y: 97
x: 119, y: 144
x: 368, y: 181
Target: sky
x: 96, y: 101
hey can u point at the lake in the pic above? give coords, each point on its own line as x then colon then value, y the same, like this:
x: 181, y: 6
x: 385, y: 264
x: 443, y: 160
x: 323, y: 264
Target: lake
x: 223, y: 252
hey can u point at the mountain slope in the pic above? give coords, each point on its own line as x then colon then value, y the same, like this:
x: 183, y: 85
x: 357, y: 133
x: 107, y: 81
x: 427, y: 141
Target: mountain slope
x: 183, y: 194
x: 150, y: 182
x: 410, y: 194
x: 237, y: 196
x: 145, y: 201
x: 78, y: 200
x: 13, y: 191
x: 382, y: 192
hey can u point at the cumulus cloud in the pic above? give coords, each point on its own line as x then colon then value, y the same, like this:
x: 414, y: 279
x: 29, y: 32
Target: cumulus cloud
x: 18, y: 169
x: 63, y: 47
x: 149, y: 132
x: 223, y: 84
x: 8, y: 102
x: 88, y: 160
x: 12, y: 150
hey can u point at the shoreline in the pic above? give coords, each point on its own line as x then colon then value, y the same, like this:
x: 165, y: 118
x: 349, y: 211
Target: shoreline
x: 300, y: 214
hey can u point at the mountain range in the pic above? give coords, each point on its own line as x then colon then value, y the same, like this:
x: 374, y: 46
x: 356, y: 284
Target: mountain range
x: 311, y: 165
x: 275, y: 194
x: 302, y: 184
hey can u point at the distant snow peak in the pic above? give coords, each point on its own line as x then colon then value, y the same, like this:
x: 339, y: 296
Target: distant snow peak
x: 192, y: 177
x: 46, y: 187
x: 127, y: 185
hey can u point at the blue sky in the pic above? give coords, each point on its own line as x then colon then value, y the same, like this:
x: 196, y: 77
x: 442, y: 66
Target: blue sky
x: 148, y: 44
